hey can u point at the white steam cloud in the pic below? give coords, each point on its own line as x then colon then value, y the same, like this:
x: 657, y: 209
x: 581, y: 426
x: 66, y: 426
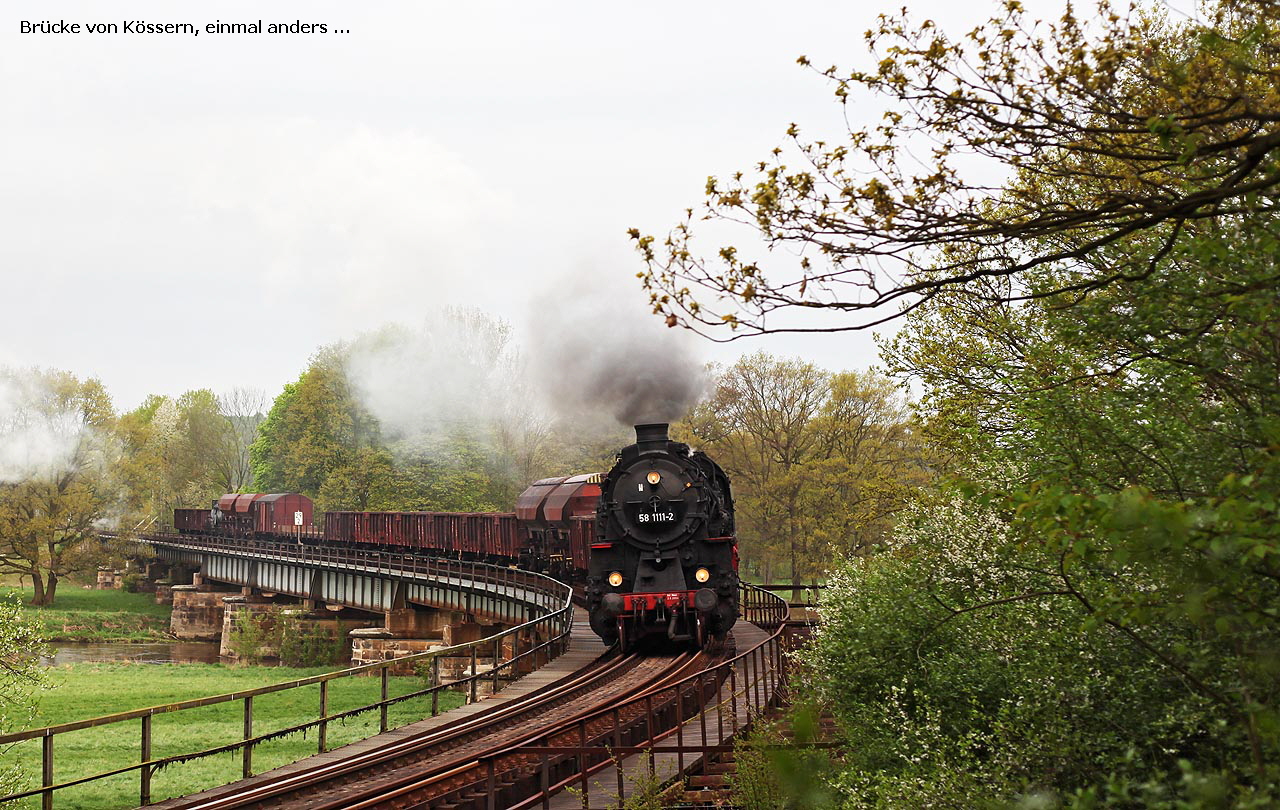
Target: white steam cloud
x: 449, y: 374
x: 39, y: 436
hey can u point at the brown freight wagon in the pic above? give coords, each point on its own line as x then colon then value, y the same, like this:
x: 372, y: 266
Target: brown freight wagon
x: 380, y: 529
x: 282, y: 513
x: 339, y: 527
x: 493, y: 535
x: 364, y: 528
x: 191, y: 521
x: 507, y: 540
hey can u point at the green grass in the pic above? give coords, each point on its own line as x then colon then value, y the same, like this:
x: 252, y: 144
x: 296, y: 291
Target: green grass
x: 81, y: 691
x: 89, y: 615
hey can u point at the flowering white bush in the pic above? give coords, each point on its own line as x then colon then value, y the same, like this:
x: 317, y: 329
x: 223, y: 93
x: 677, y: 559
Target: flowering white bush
x: 20, y: 676
x: 960, y: 669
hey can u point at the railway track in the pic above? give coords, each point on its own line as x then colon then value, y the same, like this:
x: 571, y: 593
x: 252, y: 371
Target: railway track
x: 440, y: 768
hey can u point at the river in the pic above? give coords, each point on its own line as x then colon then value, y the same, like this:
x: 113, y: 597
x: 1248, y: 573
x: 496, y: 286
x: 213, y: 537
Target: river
x: 159, y: 652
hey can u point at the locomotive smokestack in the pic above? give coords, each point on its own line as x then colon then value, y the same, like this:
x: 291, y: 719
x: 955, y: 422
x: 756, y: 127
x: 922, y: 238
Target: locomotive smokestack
x: 652, y: 437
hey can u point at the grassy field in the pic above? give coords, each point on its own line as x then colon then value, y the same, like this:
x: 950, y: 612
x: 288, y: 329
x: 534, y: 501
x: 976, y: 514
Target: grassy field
x: 81, y: 691
x: 88, y: 615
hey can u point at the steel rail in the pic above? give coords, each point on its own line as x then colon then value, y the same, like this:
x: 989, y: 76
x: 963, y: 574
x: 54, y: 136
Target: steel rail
x: 584, y: 679
x: 406, y: 785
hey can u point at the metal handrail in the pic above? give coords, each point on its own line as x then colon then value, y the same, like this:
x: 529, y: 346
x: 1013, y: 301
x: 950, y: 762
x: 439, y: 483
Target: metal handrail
x: 763, y: 669
x: 553, y: 595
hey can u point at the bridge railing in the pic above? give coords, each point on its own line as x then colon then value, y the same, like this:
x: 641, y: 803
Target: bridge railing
x: 513, y: 582
x: 532, y: 643
x: 658, y: 734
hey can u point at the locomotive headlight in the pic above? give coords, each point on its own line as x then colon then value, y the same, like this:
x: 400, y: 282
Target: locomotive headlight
x: 702, y: 575
x: 615, y: 579
x: 653, y: 478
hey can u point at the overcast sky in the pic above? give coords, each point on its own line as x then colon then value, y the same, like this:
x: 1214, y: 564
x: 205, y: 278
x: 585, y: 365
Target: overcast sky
x: 183, y: 212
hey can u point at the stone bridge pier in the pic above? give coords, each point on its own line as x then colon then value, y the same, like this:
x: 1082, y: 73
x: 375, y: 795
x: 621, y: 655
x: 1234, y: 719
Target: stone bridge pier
x: 410, y: 629
x: 216, y: 612
x: 197, y: 612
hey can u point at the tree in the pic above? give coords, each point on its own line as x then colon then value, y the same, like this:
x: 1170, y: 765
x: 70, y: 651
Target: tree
x: 180, y: 452
x: 55, y: 487
x: 1155, y: 128
x: 1095, y: 336
x: 819, y: 461
x: 314, y: 427
x: 1130, y: 441
x: 868, y: 463
x: 757, y: 425
x: 244, y: 408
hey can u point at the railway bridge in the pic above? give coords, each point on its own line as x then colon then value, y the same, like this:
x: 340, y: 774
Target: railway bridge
x: 398, y: 604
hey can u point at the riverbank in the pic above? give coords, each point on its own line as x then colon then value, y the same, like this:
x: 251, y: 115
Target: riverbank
x: 98, y: 616
x: 80, y: 691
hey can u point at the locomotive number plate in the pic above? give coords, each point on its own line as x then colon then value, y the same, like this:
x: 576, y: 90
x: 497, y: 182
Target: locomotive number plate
x: 656, y: 517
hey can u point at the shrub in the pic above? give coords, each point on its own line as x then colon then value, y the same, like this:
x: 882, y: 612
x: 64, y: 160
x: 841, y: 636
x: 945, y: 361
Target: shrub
x: 961, y: 672
x: 277, y: 633
x: 772, y: 772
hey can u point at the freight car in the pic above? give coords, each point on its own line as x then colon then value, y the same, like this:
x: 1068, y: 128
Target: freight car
x: 551, y: 537
x: 486, y: 536
x: 237, y: 514
x: 547, y: 512
x: 664, y: 559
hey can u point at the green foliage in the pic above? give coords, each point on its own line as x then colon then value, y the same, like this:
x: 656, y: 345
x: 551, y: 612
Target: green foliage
x: 280, y: 634
x: 1130, y: 439
x: 315, y: 427
x: 819, y: 461
x: 182, y: 452
x: 313, y: 646
x: 777, y: 773
x: 963, y: 665
x: 249, y: 636
x: 1089, y: 616
x: 21, y: 676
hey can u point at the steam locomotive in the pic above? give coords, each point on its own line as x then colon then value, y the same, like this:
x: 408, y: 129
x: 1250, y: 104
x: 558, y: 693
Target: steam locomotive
x: 652, y: 538
x: 664, y: 559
